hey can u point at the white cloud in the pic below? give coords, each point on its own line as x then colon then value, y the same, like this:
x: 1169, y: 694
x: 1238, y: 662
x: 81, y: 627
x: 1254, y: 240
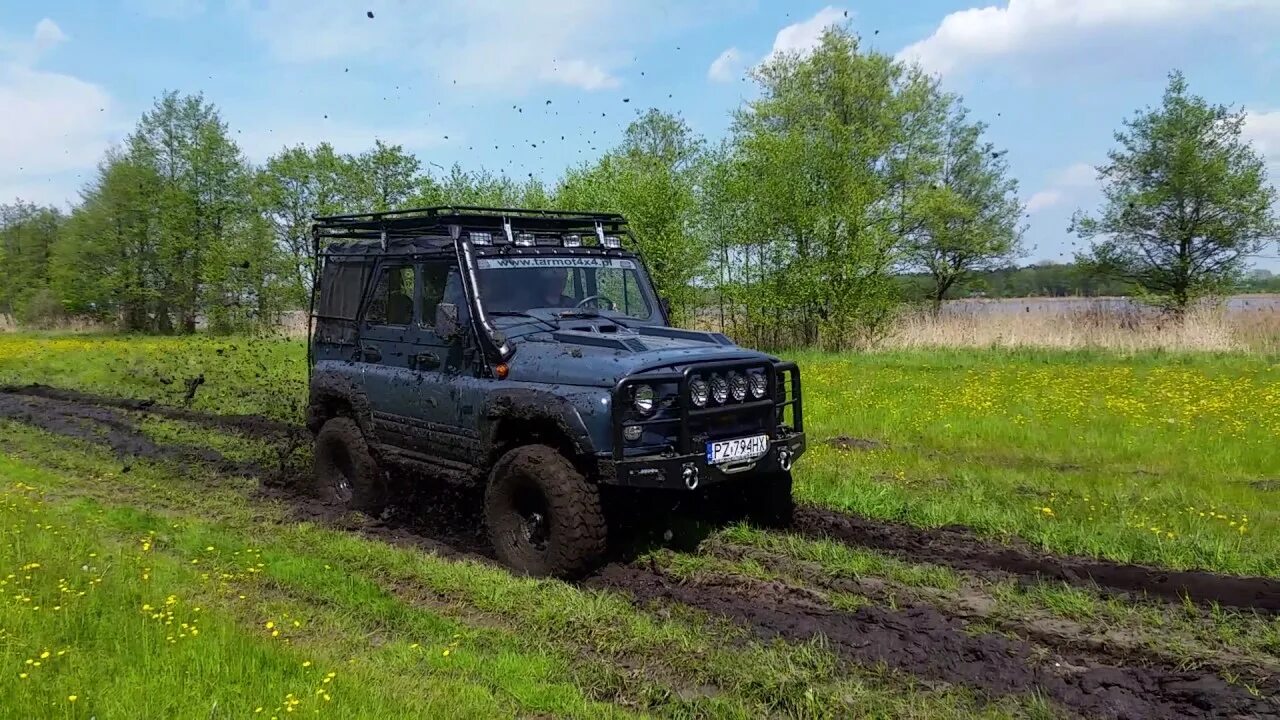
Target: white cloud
x: 47, y: 35
x: 53, y: 125
x: 1077, y: 176
x: 1044, y: 200
x: 726, y: 65
x: 1021, y: 27
x: 487, y: 44
x: 1262, y: 128
x: 803, y: 36
x: 1072, y: 184
x: 580, y: 74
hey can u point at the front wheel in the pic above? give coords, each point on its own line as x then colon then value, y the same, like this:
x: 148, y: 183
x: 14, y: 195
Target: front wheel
x: 544, y: 518
x: 767, y: 499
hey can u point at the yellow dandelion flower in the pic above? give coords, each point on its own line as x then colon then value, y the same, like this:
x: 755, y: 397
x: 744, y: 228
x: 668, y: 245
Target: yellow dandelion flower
x: 306, y: 663
x: 72, y: 698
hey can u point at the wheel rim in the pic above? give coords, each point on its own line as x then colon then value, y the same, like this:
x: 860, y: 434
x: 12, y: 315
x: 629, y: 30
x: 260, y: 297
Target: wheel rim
x: 342, y: 481
x: 533, y: 519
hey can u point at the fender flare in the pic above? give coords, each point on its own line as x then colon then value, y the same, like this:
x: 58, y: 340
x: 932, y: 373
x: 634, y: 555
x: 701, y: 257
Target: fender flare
x: 533, y: 406
x: 329, y: 388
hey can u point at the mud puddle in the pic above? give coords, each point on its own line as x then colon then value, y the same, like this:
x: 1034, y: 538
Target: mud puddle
x: 963, y: 549
x: 924, y: 642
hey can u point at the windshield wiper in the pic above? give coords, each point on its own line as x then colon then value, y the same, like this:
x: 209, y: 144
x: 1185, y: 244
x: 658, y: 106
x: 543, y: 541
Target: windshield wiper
x: 576, y: 313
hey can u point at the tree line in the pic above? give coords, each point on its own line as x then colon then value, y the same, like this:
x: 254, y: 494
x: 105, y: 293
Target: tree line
x: 847, y: 173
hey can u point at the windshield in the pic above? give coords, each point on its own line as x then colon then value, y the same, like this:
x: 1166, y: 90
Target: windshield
x: 615, y: 287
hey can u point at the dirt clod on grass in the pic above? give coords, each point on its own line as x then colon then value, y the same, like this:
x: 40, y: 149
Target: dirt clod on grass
x: 963, y: 549
x: 846, y: 442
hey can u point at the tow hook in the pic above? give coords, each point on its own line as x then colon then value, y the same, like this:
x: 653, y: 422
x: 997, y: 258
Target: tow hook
x: 690, y: 475
x: 784, y: 458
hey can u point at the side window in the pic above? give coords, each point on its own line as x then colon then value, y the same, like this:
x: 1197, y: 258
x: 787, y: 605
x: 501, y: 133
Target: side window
x: 392, y: 302
x: 435, y: 275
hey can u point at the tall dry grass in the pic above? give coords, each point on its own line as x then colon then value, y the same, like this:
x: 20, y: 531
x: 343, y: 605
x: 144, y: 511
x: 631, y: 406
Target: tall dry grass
x: 1205, y: 329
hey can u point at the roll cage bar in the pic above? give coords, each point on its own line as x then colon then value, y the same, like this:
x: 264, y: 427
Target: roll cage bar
x: 453, y: 220
x: 411, y: 223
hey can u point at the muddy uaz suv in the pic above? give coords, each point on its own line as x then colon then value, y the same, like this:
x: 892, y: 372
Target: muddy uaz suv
x: 527, y: 352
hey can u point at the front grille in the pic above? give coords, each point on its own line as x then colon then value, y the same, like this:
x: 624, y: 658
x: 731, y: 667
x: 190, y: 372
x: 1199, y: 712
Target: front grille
x: 690, y: 426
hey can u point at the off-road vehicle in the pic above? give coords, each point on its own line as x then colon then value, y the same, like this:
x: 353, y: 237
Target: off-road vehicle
x: 527, y: 353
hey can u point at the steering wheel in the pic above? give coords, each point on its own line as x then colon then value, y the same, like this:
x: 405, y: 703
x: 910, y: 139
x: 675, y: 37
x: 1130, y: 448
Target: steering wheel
x: 596, y: 299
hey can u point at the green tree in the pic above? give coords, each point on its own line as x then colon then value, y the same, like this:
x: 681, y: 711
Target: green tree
x: 1186, y: 201
x: 387, y: 177
x: 107, y: 264
x: 296, y: 184
x: 807, y: 205
x: 967, y: 216
x: 28, y: 234
x: 651, y: 180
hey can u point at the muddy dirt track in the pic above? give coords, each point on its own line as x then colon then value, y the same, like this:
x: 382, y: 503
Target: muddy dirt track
x: 919, y: 640
x: 960, y: 548
x: 926, y: 643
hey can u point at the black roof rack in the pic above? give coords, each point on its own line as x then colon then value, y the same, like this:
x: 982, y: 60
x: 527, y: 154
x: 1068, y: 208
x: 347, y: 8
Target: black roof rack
x: 433, y: 220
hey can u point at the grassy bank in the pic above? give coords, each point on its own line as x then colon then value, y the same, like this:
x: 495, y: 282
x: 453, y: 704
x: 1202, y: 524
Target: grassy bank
x: 1149, y: 457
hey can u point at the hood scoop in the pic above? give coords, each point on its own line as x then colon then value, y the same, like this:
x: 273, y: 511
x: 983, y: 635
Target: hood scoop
x: 615, y: 339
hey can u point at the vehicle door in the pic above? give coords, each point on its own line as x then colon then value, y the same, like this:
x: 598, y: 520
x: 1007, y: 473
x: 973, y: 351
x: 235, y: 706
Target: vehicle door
x: 404, y: 361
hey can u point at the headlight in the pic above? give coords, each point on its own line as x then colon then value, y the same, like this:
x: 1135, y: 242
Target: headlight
x: 738, y: 386
x: 632, y: 432
x: 759, y: 384
x: 719, y: 389
x: 644, y: 399
x: 699, y: 392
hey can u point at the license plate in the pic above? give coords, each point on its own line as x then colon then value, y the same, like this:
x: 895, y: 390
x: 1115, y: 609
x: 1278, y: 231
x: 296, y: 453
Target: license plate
x: 720, y: 452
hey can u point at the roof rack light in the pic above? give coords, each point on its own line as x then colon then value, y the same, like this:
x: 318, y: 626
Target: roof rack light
x: 571, y: 240
x: 480, y: 238
x: 611, y: 241
x: 525, y: 239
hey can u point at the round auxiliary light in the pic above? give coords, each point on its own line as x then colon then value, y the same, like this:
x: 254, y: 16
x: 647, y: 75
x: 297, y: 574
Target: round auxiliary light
x: 759, y: 384
x: 699, y: 392
x: 738, y: 386
x: 632, y: 432
x: 719, y: 389
x: 644, y: 399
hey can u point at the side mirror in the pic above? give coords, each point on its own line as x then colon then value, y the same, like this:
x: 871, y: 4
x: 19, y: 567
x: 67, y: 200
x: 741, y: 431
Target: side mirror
x: 446, y: 321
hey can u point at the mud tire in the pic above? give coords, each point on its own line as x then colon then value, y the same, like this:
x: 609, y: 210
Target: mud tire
x: 544, y: 518
x: 767, y: 500
x: 346, y: 473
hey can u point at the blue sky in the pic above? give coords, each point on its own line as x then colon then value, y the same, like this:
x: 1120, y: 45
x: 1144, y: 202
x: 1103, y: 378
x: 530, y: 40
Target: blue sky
x: 534, y: 87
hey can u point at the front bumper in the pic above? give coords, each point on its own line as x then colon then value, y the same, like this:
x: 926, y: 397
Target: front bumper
x: 691, y: 471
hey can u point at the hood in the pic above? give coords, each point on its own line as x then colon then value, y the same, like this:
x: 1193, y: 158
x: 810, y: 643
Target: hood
x: 598, y: 354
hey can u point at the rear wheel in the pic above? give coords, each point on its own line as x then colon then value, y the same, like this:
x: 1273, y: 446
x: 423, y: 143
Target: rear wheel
x: 544, y: 518
x: 767, y: 499
x: 345, y: 472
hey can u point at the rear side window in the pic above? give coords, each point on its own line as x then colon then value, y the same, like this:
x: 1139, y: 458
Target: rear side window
x: 392, y: 301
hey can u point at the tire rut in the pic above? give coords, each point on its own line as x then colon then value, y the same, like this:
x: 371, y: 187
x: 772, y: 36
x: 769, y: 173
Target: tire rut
x: 924, y: 642
x: 964, y: 549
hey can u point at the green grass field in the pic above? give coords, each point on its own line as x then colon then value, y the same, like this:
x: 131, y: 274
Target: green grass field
x: 1165, y: 459
x: 164, y: 589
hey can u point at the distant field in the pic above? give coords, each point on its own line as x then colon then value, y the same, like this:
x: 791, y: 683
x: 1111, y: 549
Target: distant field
x: 163, y: 559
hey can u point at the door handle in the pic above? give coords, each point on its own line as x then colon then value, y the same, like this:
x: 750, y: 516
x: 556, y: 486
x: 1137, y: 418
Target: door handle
x: 371, y: 355
x: 427, y: 361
